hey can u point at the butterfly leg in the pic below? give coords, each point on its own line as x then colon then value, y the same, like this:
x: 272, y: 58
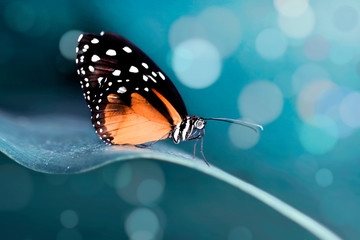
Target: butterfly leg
x: 200, y: 137
x: 201, y: 148
x: 152, y: 143
x: 197, y: 139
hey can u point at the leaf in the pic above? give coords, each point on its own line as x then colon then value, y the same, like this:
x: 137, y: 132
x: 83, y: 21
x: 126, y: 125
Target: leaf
x: 63, y: 144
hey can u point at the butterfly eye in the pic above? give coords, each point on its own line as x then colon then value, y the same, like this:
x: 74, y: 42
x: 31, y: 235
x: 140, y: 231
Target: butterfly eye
x: 200, y: 123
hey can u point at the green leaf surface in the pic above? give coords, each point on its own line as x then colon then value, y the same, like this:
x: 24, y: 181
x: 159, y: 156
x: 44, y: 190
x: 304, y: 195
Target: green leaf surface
x: 60, y: 144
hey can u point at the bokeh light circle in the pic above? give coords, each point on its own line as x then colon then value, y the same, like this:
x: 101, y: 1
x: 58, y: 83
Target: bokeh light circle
x: 218, y: 25
x: 346, y: 18
x: 149, y: 190
x: 324, y: 177
x: 185, y: 28
x: 261, y: 101
x: 291, y: 8
x: 69, y: 218
x: 243, y: 137
x: 20, y: 16
x: 329, y: 104
x: 298, y: 27
x: 68, y: 43
x: 307, y: 73
x: 196, y: 63
x: 308, y: 98
x: 318, y: 135
x: 123, y: 176
x: 17, y: 185
x: 316, y: 48
x: 271, y: 43
x: 222, y: 28
x: 350, y: 110
x: 140, y: 182
x: 142, y: 224
x: 240, y: 232
x: 341, y: 54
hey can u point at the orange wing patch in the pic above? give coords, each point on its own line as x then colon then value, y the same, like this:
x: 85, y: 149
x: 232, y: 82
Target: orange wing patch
x: 137, y: 124
x: 173, y: 113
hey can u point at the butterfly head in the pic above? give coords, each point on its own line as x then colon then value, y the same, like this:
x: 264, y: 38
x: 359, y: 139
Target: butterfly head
x: 191, y: 127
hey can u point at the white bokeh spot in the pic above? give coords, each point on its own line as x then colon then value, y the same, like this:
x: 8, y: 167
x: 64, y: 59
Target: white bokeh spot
x: 243, y: 137
x: 261, y: 102
x: 68, y: 43
x: 298, y: 27
x: 271, y: 43
x: 196, y: 63
x: 291, y: 8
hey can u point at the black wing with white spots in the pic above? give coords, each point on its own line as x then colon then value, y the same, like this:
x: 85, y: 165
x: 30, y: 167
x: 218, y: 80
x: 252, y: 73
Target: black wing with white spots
x: 110, y: 64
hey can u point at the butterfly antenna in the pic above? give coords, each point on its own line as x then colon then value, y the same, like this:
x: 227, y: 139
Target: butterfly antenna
x: 250, y: 125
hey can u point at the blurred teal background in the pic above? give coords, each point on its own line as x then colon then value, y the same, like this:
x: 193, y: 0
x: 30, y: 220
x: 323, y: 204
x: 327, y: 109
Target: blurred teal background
x: 291, y: 65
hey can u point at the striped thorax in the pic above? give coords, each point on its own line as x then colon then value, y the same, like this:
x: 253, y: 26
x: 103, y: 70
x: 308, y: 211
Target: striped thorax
x: 189, y: 128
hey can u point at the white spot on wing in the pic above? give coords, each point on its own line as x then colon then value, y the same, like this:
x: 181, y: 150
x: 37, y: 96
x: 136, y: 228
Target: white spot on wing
x: 154, y: 74
x: 127, y: 49
x: 152, y: 79
x: 99, y: 80
x: 116, y: 73
x: 122, y: 90
x: 145, y: 78
x: 133, y: 69
x: 145, y: 65
x: 76, y: 49
x: 80, y: 37
x: 146, y: 89
x: 161, y: 75
x: 95, y: 41
x: 111, y: 52
x: 102, y: 33
x: 91, y: 68
x: 95, y: 58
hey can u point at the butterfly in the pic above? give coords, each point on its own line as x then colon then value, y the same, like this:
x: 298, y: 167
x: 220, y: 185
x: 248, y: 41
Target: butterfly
x: 132, y: 101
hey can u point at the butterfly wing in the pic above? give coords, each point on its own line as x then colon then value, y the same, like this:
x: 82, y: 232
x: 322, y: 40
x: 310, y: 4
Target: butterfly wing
x: 131, y: 100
